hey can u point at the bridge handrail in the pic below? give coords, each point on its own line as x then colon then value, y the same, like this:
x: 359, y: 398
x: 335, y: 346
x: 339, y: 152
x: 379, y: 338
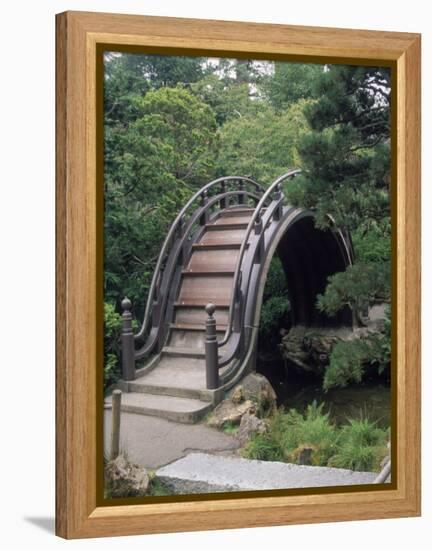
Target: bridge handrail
x: 254, y: 219
x: 169, y: 240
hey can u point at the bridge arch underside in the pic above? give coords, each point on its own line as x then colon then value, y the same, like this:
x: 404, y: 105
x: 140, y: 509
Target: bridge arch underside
x: 309, y: 256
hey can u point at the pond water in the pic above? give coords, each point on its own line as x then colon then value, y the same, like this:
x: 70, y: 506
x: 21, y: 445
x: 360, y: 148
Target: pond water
x: 371, y: 399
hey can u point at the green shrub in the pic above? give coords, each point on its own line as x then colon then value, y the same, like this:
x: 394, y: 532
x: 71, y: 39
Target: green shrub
x: 359, y: 286
x: 359, y: 445
x: 362, y: 446
x: 264, y: 447
x: 156, y: 488
x: 349, y: 359
x: 276, y: 305
x: 230, y: 428
x: 112, y: 331
x: 273, y: 312
x: 291, y: 432
x: 312, y: 430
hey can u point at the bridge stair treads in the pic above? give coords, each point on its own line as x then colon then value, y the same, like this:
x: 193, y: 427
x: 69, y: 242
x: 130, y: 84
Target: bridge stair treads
x: 193, y: 313
x: 216, y: 259
x: 174, y: 390
x: 223, y: 236
x: 178, y: 377
x: 178, y: 409
x: 205, y: 288
x: 228, y: 223
x: 237, y: 212
x: 190, y: 336
x: 207, y: 277
x: 176, y: 387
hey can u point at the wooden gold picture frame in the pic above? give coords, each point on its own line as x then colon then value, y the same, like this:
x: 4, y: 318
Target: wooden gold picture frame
x: 81, y: 38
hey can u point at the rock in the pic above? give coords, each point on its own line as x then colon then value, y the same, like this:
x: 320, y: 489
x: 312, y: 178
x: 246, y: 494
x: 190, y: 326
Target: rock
x: 125, y: 479
x: 237, y: 395
x: 258, y: 389
x: 309, y: 349
x: 303, y: 454
x: 228, y: 412
x: 249, y: 426
x: 253, y: 395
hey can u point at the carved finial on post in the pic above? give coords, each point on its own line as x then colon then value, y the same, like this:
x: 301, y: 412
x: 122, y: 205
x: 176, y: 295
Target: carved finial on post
x: 211, y: 349
x: 258, y: 225
x: 127, y: 342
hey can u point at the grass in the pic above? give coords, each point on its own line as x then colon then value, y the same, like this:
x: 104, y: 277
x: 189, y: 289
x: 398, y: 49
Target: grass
x: 156, y: 489
x: 312, y: 438
x: 230, y: 428
x: 362, y: 446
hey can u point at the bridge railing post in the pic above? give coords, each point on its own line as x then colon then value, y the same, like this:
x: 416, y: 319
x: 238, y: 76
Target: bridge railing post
x: 204, y: 200
x: 115, y: 423
x: 241, y: 198
x: 211, y: 350
x: 224, y: 202
x: 127, y: 342
x: 238, y: 305
x: 258, y: 230
x: 278, y: 210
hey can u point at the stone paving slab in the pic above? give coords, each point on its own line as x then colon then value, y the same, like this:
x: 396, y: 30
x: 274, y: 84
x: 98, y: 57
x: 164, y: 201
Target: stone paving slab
x: 204, y: 473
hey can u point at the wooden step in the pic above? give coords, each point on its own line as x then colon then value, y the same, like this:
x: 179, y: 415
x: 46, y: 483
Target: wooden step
x: 231, y: 220
x: 177, y: 351
x: 196, y: 315
x: 192, y: 340
x: 195, y: 327
x: 233, y: 245
x: 235, y: 212
x: 208, y: 273
x: 223, y: 236
x: 225, y: 225
x: 214, y: 259
x: 198, y: 303
x: 206, y: 288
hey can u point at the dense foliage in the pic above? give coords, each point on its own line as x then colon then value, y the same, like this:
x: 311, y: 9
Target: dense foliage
x: 276, y: 306
x: 349, y: 359
x: 312, y: 438
x: 346, y: 161
x: 173, y: 123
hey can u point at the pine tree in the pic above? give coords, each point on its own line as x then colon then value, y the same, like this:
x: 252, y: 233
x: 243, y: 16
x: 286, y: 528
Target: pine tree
x: 346, y: 163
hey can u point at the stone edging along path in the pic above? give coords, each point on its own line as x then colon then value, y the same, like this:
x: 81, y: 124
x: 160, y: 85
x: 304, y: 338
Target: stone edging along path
x: 204, y: 473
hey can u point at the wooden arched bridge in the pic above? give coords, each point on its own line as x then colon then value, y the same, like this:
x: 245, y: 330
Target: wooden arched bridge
x: 198, y: 337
